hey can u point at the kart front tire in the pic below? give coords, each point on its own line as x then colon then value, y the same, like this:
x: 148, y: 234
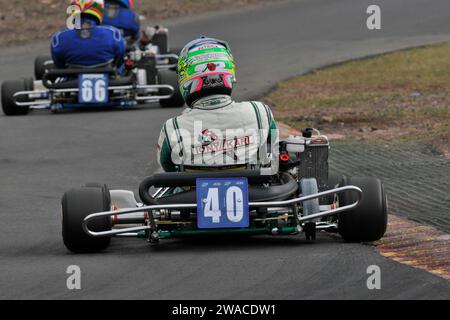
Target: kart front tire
x: 161, y: 40
x: 40, y: 67
x: 149, y: 65
x: 174, y: 61
x: 334, y: 179
x: 77, y: 204
x: 368, y: 221
x: 309, y: 187
x: 170, y: 78
x: 9, y: 88
x: 333, y: 182
x: 176, y: 51
x: 95, y: 185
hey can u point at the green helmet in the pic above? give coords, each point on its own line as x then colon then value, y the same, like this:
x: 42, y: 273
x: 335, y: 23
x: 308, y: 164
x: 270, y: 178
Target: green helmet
x: 206, y: 67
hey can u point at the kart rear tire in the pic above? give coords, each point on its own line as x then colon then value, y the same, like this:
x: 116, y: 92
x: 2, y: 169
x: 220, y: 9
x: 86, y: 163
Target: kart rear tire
x: 170, y: 78
x: 367, y: 222
x: 9, y: 88
x: 77, y: 204
x: 40, y: 67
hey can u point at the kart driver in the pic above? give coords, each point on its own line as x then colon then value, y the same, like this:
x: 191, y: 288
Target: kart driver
x: 92, y: 45
x: 118, y: 14
x: 215, y: 132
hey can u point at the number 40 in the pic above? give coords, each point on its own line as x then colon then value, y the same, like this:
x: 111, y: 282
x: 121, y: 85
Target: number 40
x: 234, y: 205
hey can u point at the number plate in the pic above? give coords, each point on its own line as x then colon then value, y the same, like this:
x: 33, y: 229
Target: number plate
x: 93, y: 88
x: 222, y: 203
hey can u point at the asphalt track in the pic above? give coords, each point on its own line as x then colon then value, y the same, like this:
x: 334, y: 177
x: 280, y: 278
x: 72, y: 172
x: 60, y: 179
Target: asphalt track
x: 42, y: 155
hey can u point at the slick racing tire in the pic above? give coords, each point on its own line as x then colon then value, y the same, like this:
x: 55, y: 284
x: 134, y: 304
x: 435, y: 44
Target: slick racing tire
x: 77, y: 204
x: 174, y: 61
x: 368, y: 221
x: 170, y: 78
x: 9, y: 88
x: 161, y: 40
x: 40, y: 67
x: 334, y: 180
x: 308, y: 186
x: 149, y: 65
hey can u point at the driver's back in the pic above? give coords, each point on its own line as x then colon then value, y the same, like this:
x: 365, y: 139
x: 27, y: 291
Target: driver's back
x: 217, y: 133
x: 87, y: 47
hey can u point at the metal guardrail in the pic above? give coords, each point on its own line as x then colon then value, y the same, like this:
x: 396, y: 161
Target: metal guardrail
x: 270, y: 204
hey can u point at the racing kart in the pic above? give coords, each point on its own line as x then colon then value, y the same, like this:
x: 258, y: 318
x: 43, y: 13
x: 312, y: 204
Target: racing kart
x: 78, y: 88
x: 150, y: 77
x: 301, y: 198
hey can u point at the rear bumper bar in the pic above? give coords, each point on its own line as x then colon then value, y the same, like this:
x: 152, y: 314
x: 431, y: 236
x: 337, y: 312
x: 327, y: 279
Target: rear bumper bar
x: 270, y: 204
x: 42, y: 97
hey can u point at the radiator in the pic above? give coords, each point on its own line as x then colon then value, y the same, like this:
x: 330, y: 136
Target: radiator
x: 314, y: 164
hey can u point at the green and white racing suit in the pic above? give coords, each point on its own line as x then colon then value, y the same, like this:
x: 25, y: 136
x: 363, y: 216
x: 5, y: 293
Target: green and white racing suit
x: 221, y: 134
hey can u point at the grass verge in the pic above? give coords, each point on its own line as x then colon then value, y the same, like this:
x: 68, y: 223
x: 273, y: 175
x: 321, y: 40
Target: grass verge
x: 393, y: 97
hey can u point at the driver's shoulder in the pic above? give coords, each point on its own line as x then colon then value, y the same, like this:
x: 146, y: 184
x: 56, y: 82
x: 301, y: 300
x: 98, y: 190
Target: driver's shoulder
x: 109, y: 30
x: 261, y: 110
x: 252, y: 106
x: 62, y: 36
x: 62, y: 33
x: 127, y: 13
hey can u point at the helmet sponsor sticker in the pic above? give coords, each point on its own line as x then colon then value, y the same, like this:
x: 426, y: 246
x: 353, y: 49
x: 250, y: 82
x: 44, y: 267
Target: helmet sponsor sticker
x: 209, y: 56
x: 207, y: 47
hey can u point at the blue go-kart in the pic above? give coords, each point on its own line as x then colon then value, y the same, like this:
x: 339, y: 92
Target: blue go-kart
x: 99, y: 87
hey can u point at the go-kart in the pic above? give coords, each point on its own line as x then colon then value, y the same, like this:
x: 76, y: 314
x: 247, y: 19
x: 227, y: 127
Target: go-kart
x: 78, y: 88
x: 150, y: 77
x: 301, y: 198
